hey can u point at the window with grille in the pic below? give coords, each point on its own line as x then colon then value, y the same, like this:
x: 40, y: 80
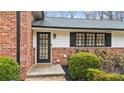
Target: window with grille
x: 85, y: 39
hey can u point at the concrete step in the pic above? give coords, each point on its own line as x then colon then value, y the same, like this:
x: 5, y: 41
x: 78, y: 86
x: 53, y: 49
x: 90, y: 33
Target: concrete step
x: 47, y: 78
x: 46, y: 72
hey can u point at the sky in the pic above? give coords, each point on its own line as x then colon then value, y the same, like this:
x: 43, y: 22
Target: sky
x: 67, y: 14
x: 86, y: 14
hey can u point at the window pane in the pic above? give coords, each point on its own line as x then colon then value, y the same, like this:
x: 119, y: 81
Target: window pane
x: 100, y: 40
x: 80, y: 39
x: 90, y: 39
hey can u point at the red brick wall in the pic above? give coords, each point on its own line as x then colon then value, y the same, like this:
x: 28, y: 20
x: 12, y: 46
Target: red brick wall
x: 26, y: 43
x: 58, y: 53
x: 8, y: 38
x: 8, y: 34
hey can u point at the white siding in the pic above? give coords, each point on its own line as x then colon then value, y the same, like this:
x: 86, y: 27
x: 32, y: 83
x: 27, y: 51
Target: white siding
x: 118, y: 39
x: 34, y: 39
x: 63, y: 37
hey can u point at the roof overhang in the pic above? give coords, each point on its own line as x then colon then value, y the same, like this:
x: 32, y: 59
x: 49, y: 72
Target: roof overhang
x: 38, y: 29
x: 65, y: 23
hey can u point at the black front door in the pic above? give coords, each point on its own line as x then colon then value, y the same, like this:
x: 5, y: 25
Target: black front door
x: 43, y: 47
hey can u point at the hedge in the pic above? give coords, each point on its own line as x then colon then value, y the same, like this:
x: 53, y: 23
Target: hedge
x: 9, y: 69
x: 98, y: 75
x: 80, y: 62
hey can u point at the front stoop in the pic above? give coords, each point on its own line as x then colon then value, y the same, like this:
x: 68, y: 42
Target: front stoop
x: 46, y: 72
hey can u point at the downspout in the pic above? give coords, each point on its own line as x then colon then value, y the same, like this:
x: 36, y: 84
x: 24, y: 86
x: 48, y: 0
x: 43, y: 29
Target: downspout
x: 18, y: 36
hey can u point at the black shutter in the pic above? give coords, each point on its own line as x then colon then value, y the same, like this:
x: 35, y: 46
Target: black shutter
x: 72, y: 39
x: 108, y: 39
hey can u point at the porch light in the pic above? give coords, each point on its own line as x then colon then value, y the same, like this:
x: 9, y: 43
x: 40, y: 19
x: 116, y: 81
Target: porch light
x: 54, y: 36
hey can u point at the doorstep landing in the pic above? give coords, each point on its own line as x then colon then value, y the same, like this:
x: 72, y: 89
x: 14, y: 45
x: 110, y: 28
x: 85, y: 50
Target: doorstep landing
x: 46, y: 72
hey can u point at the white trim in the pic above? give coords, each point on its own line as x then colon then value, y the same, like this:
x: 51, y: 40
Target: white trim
x: 73, y: 30
x: 36, y: 49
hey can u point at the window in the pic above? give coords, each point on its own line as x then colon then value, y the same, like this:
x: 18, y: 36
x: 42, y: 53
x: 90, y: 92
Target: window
x: 90, y: 39
x: 80, y: 39
x: 100, y: 39
x: 85, y: 39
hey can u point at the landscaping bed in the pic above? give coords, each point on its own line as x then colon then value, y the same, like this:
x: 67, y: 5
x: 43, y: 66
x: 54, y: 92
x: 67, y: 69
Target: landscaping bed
x: 98, y: 66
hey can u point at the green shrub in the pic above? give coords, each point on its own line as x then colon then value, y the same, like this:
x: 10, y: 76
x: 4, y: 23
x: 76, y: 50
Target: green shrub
x: 9, y: 69
x: 114, y: 77
x: 79, y: 62
x: 98, y: 75
x: 95, y: 75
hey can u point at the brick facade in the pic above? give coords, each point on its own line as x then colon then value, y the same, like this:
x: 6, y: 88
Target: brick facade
x: 58, y: 53
x: 8, y: 39
x: 27, y: 55
x: 26, y: 48
x: 8, y: 34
